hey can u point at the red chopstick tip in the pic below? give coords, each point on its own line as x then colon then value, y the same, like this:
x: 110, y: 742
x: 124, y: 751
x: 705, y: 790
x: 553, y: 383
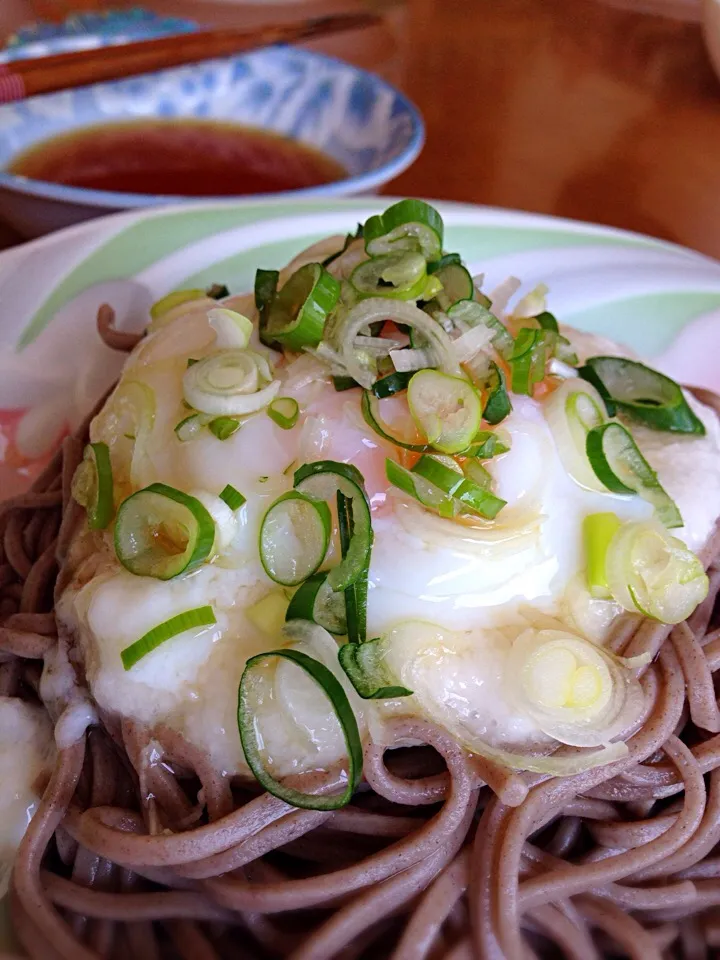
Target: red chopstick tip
x: 12, y: 87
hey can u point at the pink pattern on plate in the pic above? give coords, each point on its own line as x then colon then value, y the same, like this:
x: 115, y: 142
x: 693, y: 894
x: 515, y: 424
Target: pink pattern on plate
x: 17, y: 472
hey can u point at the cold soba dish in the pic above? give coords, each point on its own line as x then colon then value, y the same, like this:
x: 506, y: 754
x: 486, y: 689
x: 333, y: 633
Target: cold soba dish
x: 382, y: 630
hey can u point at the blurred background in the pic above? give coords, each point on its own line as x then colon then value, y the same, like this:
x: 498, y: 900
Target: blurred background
x: 603, y: 111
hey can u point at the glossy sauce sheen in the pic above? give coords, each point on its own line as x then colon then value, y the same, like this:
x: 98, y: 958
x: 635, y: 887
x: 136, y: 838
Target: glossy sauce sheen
x: 191, y: 158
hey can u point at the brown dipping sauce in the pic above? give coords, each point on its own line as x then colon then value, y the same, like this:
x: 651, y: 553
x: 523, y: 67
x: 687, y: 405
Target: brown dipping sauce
x: 189, y: 158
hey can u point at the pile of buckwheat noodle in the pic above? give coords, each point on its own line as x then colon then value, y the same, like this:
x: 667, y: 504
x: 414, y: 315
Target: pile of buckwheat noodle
x: 440, y: 854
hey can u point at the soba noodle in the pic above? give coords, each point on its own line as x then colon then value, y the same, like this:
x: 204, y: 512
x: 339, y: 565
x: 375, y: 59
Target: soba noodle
x: 440, y: 855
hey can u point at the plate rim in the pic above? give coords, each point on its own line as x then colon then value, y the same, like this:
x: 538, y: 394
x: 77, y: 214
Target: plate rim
x: 517, y: 217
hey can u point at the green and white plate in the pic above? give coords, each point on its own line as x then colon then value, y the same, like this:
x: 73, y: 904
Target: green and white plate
x: 659, y: 299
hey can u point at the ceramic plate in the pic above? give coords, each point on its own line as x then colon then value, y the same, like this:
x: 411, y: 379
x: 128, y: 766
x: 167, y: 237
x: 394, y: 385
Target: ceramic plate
x: 659, y: 299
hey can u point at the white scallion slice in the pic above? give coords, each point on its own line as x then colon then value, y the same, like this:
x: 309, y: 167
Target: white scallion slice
x: 575, y: 691
x: 233, y: 330
x: 571, y: 412
x: 229, y: 383
x: 649, y: 570
x: 161, y: 309
x: 448, y: 410
x: 294, y: 538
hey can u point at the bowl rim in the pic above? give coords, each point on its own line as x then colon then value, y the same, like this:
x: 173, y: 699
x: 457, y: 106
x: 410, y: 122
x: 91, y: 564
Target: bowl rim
x: 360, y: 183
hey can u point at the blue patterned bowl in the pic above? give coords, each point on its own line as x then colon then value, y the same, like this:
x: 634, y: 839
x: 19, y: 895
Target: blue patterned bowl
x: 355, y: 117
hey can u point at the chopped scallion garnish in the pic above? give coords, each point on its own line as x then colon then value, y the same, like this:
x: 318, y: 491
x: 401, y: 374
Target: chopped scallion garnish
x: 251, y: 690
x: 92, y: 485
x: 409, y: 225
x: 294, y: 538
x: 322, y: 480
x: 189, y: 620
x: 644, y: 394
x: 621, y: 467
x: 224, y: 427
x: 284, y: 411
x: 363, y: 663
x: 162, y: 532
x: 297, y: 313
x: 232, y: 497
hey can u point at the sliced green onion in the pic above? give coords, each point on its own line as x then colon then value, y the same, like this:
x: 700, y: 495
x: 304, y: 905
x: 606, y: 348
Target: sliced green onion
x: 232, y: 497
x: 342, y: 384
x: 471, y: 496
x: 457, y: 284
x: 266, y: 284
x: 251, y: 739
x: 407, y: 225
x: 294, y: 538
x: 162, y: 532
x: 467, y: 314
x: 486, y: 445
x: 217, y: 291
x: 189, y: 620
x: 370, y: 407
x: 322, y: 480
x: 478, y: 474
x: 356, y: 595
x: 189, y: 427
x: 92, y: 485
x: 229, y: 383
x: 572, y: 411
x: 130, y: 412
x: 390, y: 385
x: 284, y: 411
x: 364, y: 664
x: 296, y: 316
x: 395, y: 276
x: 448, y: 410
x: 598, y: 531
x: 528, y: 360
x: 644, y: 394
x: 419, y: 489
x: 497, y: 405
x: 223, y: 427
x: 175, y: 299
x: 344, y: 328
x: 619, y: 465
x: 547, y: 321
x: 446, y: 260
x: 232, y: 329
x: 315, y: 600
x: 652, y: 572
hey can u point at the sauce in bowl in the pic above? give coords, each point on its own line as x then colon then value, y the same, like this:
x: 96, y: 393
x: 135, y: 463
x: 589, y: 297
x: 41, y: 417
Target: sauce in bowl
x: 189, y: 158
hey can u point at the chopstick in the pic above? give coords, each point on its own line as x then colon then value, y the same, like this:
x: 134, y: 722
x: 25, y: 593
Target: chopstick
x: 28, y: 78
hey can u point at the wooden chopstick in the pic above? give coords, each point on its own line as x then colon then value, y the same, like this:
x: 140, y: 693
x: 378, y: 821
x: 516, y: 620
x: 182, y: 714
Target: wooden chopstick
x: 28, y: 78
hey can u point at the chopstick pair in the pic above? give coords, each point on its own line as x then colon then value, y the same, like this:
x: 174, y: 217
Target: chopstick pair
x: 28, y: 78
